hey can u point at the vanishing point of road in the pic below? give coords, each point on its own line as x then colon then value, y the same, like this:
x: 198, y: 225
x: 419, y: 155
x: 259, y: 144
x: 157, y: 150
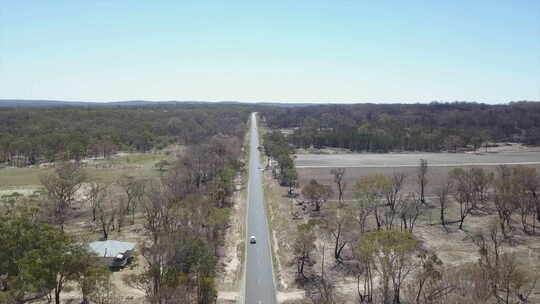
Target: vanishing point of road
x: 259, y: 279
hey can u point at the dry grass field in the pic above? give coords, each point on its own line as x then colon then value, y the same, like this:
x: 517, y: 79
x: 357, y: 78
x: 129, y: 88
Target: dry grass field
x: 525, y: 156
x: 436, y: 176
x: 317, y: 166
x: 26, y: 180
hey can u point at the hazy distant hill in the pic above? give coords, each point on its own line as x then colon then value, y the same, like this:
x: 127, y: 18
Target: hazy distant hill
x: 61, y: 103
x: 57, y: 103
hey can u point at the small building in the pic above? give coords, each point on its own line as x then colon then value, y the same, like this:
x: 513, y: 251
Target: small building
x: 113, y: 254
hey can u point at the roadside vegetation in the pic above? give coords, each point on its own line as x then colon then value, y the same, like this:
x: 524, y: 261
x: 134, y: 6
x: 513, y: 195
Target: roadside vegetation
x: 276, y: 148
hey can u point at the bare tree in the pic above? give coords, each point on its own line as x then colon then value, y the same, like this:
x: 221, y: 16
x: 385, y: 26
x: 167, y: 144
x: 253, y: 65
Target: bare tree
x: 325, y: 287
x: 390, y: 253
x: 526, y: 182
x: 506, y: 198
x: 364, y: 271
x: 532, y: 184
x: 393, y: 197
x: 339, y: 174
x: 507, y: 280
x: 462, y: 186
x: 159, y: 212
x: 369, y: 192
x: 364, y: 208
x: 410, y: 211
x: 392, y: 194
x: 303, y: 247
x: 61, y: 187
x: 338, y: 224
x: 480, y: 184
x: 442, y: 194
x: 428, y: 286
x: 95, y: 196
x: 120, y: 213
x: 106, y: 215
x: 133, y: 189
x: 421, y: 175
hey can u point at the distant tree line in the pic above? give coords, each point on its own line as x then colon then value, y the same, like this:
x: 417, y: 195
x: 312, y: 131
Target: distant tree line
x: 29, y: 136
x: 409, y: 127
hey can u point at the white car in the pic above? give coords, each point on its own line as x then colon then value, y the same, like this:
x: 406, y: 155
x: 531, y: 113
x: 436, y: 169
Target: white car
x: 252, y: 240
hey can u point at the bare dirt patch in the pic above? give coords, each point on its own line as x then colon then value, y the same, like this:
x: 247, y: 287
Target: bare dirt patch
x: 230, y: 263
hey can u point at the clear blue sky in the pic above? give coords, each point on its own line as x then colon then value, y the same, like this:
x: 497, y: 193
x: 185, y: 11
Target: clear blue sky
x: 322, y: 51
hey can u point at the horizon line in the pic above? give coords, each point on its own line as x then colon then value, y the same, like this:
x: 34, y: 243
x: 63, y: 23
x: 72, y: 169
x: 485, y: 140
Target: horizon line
x: 265, y: 101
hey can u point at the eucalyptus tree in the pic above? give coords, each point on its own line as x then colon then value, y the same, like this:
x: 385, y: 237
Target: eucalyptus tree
x: 61, y: 187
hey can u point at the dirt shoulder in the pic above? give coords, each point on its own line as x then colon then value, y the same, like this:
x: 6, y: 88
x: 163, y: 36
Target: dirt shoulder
x: 231, y: 260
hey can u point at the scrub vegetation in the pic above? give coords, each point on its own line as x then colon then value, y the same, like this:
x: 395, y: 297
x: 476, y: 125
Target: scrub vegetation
x: 175, y: 206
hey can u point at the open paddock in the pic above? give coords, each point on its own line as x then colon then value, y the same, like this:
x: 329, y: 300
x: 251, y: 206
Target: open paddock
x: 311, y: 166
x: 393, y: 160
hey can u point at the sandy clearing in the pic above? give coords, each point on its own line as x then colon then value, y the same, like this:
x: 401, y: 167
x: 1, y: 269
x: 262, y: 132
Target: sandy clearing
x: 227, y: 297
x: 229, y: 269
x: 290, y: 296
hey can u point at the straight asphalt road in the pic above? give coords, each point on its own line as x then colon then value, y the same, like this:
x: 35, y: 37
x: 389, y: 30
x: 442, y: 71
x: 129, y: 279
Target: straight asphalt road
x: 259, y: 281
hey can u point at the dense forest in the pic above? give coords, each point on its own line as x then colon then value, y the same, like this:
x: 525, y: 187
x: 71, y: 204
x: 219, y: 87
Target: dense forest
x: 410, y: 127
x: 32, y: 135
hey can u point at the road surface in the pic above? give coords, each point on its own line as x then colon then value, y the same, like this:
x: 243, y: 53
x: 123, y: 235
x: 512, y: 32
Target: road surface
x: 259, y: 281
